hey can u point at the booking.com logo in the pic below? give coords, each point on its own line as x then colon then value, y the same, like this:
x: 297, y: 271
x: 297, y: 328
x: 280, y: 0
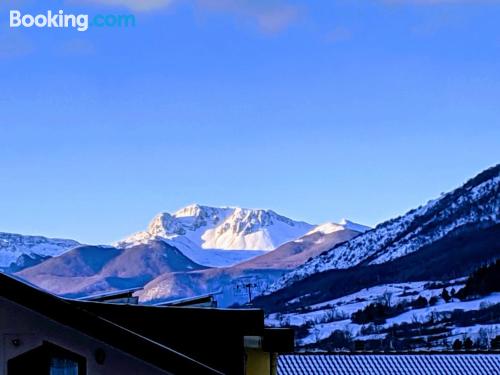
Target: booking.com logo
x: 80, y: 22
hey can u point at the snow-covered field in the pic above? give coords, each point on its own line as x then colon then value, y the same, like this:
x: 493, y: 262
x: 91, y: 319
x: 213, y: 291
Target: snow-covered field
x: 325, y: 318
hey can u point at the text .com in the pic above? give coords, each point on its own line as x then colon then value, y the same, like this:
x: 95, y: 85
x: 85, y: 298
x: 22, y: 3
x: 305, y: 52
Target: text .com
x: 80, y: 22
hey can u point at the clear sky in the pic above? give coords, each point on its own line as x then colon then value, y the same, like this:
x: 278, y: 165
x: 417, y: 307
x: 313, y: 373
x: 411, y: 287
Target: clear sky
x: 317, y: 109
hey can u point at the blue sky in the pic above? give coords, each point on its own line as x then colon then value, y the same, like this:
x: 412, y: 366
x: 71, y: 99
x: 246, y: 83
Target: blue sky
x: 319, y: 110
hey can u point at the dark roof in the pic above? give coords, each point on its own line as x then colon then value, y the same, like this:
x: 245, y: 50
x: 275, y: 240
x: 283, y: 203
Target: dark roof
x: 389, y: 364
x: 76, y: 316
x: 211, y: 336
x: 189, y: 301
x: 103, y: 297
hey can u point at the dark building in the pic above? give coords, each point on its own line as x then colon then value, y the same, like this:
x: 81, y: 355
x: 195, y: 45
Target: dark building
x: 44, y: 334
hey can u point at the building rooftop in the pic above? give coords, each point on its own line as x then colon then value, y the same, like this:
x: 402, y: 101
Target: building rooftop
x: 71, y: 314
x: 389, y: 364
x: 179, y: 340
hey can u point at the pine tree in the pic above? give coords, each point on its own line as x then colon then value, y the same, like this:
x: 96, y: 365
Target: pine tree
x: 457, y: 345
x: 445, y: 295
x: 495, y: 343
x: 468, y: 344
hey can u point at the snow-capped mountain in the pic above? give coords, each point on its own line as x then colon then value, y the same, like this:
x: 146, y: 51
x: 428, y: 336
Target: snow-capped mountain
x: 475, y: 203
x: 12, y: 246
x: 220, y: 236
x: 260, y: 271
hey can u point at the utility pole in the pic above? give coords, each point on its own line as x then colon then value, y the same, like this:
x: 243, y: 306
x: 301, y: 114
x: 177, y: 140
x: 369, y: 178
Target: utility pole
x: 249, y: 287
x: 246, y: 286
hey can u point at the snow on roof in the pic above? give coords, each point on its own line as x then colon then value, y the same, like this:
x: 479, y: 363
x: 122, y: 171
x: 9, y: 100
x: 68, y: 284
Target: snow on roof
x: 389, y: 364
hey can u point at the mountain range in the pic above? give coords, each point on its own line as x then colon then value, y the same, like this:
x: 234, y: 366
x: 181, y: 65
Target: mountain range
x: 259, y: 272
x: 339, y: 284
x: 231, y: 245
x: 13, y: 246
x: 88, y: 270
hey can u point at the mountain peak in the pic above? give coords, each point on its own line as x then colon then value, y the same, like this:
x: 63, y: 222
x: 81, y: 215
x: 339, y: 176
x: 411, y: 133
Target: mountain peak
x: 187, y: 219
x: 347, y: 224
x: 204, y: 228
x: 195, y: 210
x: 326, y: 228
x: 344, y: 224
x: 195, y: 216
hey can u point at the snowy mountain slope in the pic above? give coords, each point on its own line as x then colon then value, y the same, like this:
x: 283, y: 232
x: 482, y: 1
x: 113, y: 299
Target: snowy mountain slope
x: 403, y: 314
x: 202, y: 232
x: 12, y: 246
x: 476, y: 202
x: 295, y: 253
x: 91, y: 269
x: 26, y: 261
x: 453, y: 256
